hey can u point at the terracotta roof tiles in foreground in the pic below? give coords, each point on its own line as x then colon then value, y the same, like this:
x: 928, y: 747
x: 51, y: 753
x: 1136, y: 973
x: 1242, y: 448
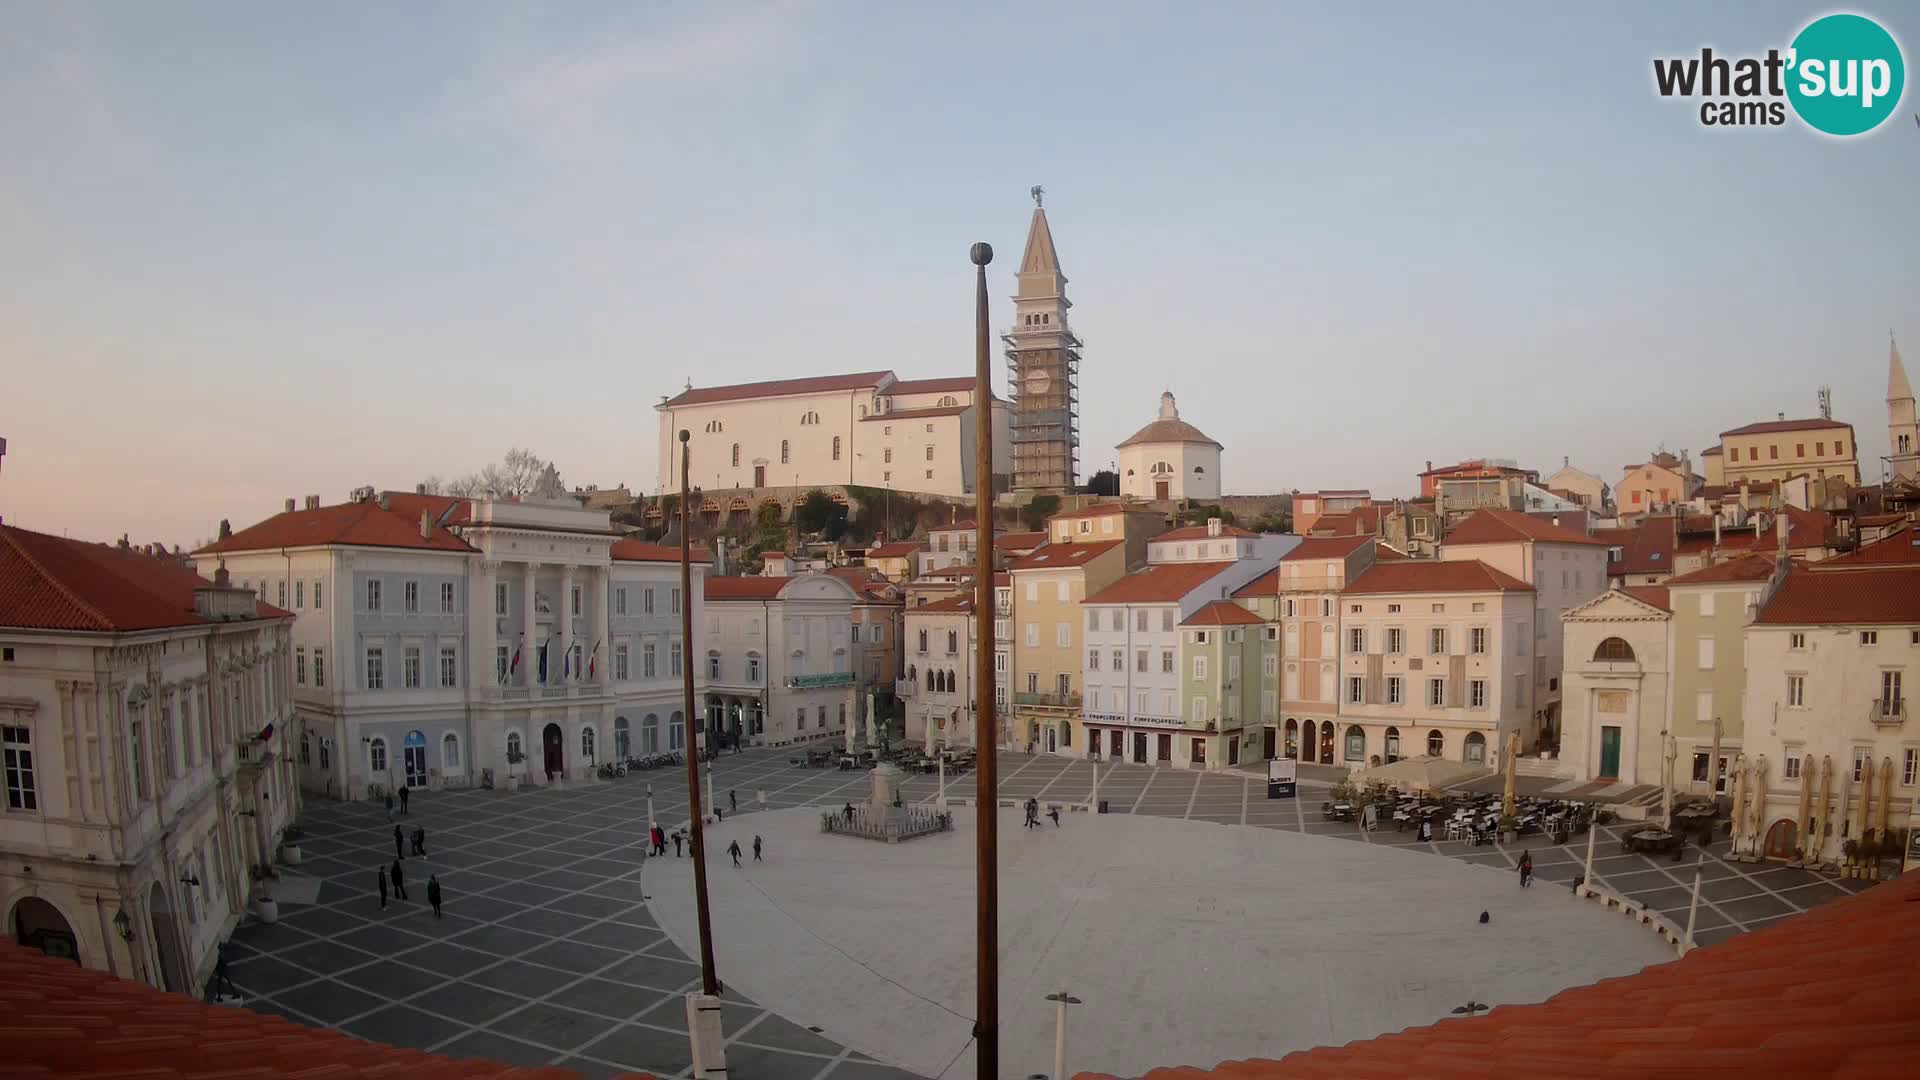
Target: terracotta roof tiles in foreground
x: 1833, y: 992
x: 1884, y: 596
x: 61, y: 1019
x: 52, y: 583
x: 1431, y: 576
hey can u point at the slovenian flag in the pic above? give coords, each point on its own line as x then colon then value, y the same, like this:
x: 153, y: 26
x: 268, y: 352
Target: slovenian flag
x: 593, y: 660
x: 265, y: 734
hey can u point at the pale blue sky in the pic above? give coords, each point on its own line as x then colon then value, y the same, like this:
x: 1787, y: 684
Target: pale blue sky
x: 259, y: 250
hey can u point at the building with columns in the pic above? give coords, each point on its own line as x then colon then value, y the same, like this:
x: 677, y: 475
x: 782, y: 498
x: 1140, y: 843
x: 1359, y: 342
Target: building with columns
x: 1169, y: 459
x: 145, y: 717
x: 1618, y: 670
x: 443, y: 642
x: 779, y: 658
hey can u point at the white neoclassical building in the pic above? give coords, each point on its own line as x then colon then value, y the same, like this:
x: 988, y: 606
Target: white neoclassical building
x: 871, y: 429
x: 1615, y: 685
x: 448, y: 642
x: 144, y: 714
x: 780, y: 663
x: 1170, y: 459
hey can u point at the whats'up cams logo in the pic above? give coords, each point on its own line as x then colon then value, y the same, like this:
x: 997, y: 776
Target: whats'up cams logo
x: 1842, y: 75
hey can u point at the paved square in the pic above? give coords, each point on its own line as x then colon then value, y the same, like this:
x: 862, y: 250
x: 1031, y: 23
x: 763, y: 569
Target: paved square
x: 550, y: 954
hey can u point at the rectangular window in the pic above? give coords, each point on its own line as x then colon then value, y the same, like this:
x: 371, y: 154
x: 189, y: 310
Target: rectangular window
x: 1477, y: 688
x: 282, y: 602
x: 410, y: 664
x: 713, y: 668
x: 319, y: 666
x: 500, y: 598
x: 1120, y: 661
x: 1436, y: 693
x: 1356, y: 690
x: 1790, y: 768
x: 753, y: 669
x: 1166, y: 620
x: 1869, y: 637
x: 1796, y: 640
x: 1394, y: 690
x: 1063, y: 634
x: 410, y: 595
x: 1773, y: 451
x: 929, y: 453
x: 1478, y: 640
x: 620, y: 600
x: 501, y: 661
x: 1706, y: 604
x: 1438, y: 609
x: 1270, y: 666
x: 1166, y: 661
x: 1910, y: 770
x: 1118, y: 620
x: 649, y: 662
x: 1093, y: 659
x: 674, y: 601
x: 1199, y: 667
x: 1860, y: 755
x: 373, y: 594
x: 22, y: 792
x: 300, y: 667
x: 1393, y: 609
x: 139, y: 759
x: 1033, y: 635
x: 673, y: 660
x: 1437, y: 641
x: 646, y: 602
x: 1326, y: 608
x: 1356, y: 640
x: 1706, y: 654
x: 1093, y: 619
x: 449, y: 667
x: 376, y: 669
x: 446, y: 598
x: 1394, y: 643
x: 1140, y: 620
x: 886, y: 456
x: 622, y: 669
x: 1703, y: 707
x: 299, y: 595
x: 575, y: 596
x: 1796, y: 691
x: 1890, y: 702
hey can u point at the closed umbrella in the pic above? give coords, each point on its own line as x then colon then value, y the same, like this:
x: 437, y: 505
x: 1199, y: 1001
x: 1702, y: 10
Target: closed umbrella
x: 1803, y: 825
x: 1866, y: 799
x: 1886, y: 794
x: 1736, y: 791
x: 1758, y: 800
x: 1513, y: 760
x: 1818, y: 848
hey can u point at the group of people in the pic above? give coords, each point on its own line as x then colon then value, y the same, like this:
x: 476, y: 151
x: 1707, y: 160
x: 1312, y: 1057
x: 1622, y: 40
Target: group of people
x: 395, y: 878
x: 657, y: 841
x: 1033, y: 814
x: 733, y: 849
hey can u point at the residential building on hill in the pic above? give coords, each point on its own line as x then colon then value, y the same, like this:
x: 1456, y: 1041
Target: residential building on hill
x: 780, y: 662
x: 897, y: 561
x: 1169, y: 459
x: 1587, y: 489
x: 1777, y: 449
x: 871, y: 429
x: 149, y: 739
x: 1829, y: 658
x: 1474, y: 469
x: 951, y: 545
x: 1656, y: 485
x: 1310, y: 506
x: 440, y: 642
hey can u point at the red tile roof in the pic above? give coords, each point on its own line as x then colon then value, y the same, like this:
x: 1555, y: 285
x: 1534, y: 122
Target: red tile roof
x: 969, y: 525
x: 641, y: 551
x: 1158, y: 583
x: 356, y: 524
x: 1882, y: 596
x: 1326, y: 547
x: 446, y: 509
x: 1650, y: 594
x: 1267, y: 584
x: 1057, y: 556
x: 1019, y: 541
x: 1744, y: 568
x: 1511, y: 526
x: 1359, y: 521
x: 959, y: 603
x: 1902, y: 546
x: 1711, y: 451
x: 1480, y: 465
x: 745, y: 588
x: 1199, y: 532
x: 52, y: 583
x: 1806, y: 530
x: 1645, y: 549
x: 958, y: 385
x: 1222, y: 613
x: 899, y: 549
x: 822, y: 384
x: 1767, y: 426
x: 62, y: 1019
x: 1432, y: 575
x: 1827, y: 993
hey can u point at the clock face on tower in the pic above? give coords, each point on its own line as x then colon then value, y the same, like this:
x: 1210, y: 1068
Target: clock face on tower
x: 1038, y: 382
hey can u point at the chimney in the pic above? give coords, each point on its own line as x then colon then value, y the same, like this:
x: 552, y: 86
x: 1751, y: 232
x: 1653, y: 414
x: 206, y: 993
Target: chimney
x: 1429, y: 464
x: 1716, y: 530
x: 426, y: 525
x: 720, y: 556
x: 1780, y: 528
x: 1780, y: 416
x: 289, y: 506
x: 419, y: 489
x: 313, y: 502
x: 385, y: 503
x: 1757, y: 519
x: 221, y: 579
x: 1213, y: 526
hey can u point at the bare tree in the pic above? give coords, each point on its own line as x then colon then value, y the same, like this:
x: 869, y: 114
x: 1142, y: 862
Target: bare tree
x: 515, y: 475
x: 433, y: 485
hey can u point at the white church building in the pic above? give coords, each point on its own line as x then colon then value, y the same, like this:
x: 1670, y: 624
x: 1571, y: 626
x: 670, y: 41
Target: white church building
x: 1170, y: 459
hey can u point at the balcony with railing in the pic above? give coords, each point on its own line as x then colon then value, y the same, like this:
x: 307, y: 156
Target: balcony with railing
x: 1887, y: 713
x: 1069, y: 700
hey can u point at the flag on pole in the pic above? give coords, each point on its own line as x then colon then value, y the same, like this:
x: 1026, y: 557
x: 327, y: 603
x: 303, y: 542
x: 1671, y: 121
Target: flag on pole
x: 514, y: 668
x: 593, y: 660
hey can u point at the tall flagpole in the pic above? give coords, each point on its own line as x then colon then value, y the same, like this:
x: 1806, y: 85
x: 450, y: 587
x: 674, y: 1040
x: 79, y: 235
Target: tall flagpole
x: 986, y: 1027
x: 708, y: 980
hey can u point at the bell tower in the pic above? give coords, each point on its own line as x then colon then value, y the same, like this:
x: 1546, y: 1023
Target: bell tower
x: 1903, y: 434
x: 1043, y: 369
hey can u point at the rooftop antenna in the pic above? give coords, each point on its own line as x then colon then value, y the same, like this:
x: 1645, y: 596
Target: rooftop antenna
x: 1037, y: 192
x: 1826, y: 403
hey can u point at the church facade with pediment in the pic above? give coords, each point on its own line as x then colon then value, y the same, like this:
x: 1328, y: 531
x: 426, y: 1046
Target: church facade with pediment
x: 1614, y: 686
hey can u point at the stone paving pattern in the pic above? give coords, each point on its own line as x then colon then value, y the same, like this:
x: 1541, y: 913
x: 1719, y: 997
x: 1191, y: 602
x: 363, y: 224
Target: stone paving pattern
x: 548, y: 954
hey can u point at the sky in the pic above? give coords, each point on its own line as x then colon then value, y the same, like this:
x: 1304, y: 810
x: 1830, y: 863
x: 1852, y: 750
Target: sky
x: 254, y: 251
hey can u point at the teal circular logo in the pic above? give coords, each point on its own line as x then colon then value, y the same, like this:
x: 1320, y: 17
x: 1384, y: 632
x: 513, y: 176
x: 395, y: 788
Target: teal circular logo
x: 1845, y: 74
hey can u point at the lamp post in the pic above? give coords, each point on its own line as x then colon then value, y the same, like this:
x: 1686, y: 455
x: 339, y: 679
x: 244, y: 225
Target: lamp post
x: 703, y: 1008
x: 651, y: 820
x: 1593, y: 826
x: 1693, y: 905
x: 986, y: 1025
x: 1060, y: 1000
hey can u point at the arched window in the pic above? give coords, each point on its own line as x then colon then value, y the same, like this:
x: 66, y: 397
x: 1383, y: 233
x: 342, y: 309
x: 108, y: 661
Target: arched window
x: 736, y: 455
x: 1356, y: 748
x: 785, y: 451
x: 1436, y: 744
x: 1613, y: 649
x: 676, y: 731
x: 949, y: 402
x: 836, y: 448
x: 1293, y: 738
x: 622, y: 738
x: 1476, y: 748
x: 377, y: 755
x: 650, y: 734
x: 1198, y: 470
x: 513, y: 745
x: 450, y: 751
x: 1393, y: 744
x: 586, y: 743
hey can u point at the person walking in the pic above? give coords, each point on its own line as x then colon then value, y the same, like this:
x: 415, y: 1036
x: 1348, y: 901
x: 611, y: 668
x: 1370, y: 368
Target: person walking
x: 389, y: 806
x: 733, y: 802
x: 733, y: 849
x: 222, y: 977
x: 433, y: 894
x: 399, y: 844
x: 676, y: 843
x: 382, y: 873
x: 420, y: 840
x: 403, y: 798
x: 655, y: 845
x: 399, y: 882
x: 1526, y: 869
x: 1054, y: 813
x: 848, y: 813
x: 756, y: 848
